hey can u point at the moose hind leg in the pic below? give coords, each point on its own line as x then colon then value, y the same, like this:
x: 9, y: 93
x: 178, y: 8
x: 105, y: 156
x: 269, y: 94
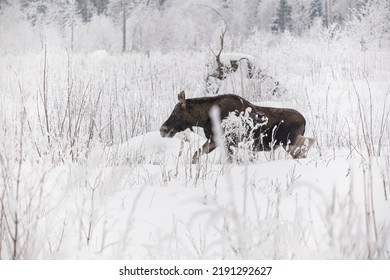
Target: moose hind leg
x: 301, y: 147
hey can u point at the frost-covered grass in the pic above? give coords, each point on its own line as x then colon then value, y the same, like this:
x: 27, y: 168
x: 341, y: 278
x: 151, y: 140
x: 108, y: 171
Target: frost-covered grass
x: 85, y: 173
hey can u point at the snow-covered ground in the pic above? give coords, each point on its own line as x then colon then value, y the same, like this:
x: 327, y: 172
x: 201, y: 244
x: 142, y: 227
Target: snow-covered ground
x: 167, y: 208
x: 86, y: 175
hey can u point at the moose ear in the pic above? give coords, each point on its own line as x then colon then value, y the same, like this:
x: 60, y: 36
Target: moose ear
x: 182, y: 98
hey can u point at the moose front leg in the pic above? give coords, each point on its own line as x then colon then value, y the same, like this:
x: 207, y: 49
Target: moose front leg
x: 207, y: 147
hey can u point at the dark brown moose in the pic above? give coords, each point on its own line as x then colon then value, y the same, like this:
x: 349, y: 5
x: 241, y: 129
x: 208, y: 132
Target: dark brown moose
x: 283, y: 127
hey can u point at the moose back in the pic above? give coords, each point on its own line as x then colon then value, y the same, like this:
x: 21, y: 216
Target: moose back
x: 283, y: 127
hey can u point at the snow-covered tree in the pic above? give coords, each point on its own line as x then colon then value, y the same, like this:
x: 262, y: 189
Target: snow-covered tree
x: 60, y: 14
x: 4, y: 3
x: 342, y: 10
x: 252, y: 14
x: 176, y: 24
x: 120, y: 11
x: 316, y: 10
x: 100, y: 6
x: 237, y: 16
x: 282, y: 18
x: 265, y: 11
x: 86, y: 9
x: 370, y: 24
x: 301, y: 16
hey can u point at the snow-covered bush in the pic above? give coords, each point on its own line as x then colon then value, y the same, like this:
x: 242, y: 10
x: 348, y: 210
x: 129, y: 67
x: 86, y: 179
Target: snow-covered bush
x: 239, y: 131
x: 241, y: 73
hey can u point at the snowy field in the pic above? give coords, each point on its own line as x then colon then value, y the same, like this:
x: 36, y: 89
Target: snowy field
x: 86, y: 175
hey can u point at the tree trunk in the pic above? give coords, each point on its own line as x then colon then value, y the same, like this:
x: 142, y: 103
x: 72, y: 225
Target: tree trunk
x: 328, y: 6
x: 72, y: 34
x: 124, y: 26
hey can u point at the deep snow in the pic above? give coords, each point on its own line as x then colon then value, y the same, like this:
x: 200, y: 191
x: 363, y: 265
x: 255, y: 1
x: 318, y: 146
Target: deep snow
x: 271, y: 209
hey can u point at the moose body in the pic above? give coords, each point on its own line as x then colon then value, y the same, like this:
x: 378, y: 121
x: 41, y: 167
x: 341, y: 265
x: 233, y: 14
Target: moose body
x: 279, y: 126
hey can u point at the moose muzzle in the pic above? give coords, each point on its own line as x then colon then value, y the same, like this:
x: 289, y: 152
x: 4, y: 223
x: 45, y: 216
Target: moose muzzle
x: 167, y: 131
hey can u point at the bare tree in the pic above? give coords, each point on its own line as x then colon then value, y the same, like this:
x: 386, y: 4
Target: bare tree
x: 219, y: 71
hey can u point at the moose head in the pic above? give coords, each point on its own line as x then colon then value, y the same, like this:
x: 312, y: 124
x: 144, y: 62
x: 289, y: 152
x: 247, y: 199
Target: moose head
x: 179, y: 120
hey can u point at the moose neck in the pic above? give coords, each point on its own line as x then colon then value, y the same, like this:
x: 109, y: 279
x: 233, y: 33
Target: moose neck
x: 200, y: 109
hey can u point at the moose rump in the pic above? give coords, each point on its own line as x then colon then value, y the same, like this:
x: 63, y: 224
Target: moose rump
x: 278, y: 126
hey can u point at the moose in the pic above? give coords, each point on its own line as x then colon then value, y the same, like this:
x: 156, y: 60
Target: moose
x: 279, y: 126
